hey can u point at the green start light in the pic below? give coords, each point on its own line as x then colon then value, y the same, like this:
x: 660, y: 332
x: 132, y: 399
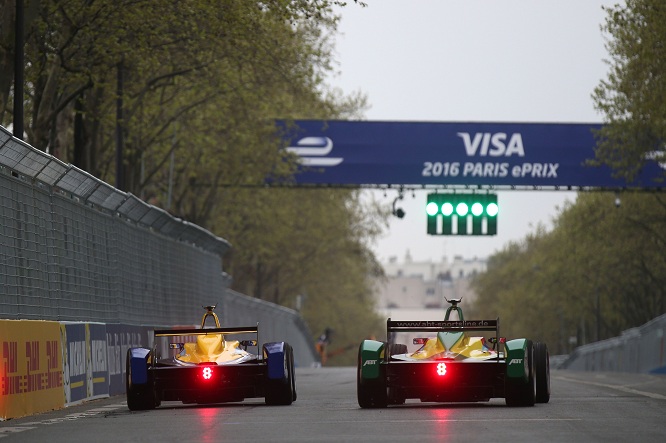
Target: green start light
x: 492, y: 209
x: 447, y: 209
x: 462, y: 214
x: 461, y: 209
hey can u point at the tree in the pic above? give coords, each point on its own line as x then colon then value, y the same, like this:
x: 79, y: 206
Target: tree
x: 633, y: 97
x: 601, y: 270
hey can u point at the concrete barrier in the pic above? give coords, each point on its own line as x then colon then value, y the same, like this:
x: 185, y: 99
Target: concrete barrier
x: 638, y: 350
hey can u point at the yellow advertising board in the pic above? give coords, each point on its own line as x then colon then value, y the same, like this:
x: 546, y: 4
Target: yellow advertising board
x: 31, y: 368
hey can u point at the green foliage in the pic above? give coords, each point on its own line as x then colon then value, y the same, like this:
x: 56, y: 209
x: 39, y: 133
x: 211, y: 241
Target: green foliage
x: 633, y: 97
x: 601, y: 270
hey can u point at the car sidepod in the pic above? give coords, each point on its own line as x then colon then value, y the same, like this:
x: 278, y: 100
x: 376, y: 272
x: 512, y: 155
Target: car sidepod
x: 371, y: 376
x: 138, y: 380
x: 280, y: 381
x: 520, y: 387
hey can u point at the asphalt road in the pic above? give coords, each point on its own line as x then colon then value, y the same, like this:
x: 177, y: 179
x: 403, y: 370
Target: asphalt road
x: 584, y: 407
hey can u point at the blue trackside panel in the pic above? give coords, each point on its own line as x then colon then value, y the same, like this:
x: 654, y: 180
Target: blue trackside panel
x: 274, y: 353
x: 516, y: 362
x: 372, y: 353
x: 139, y: 365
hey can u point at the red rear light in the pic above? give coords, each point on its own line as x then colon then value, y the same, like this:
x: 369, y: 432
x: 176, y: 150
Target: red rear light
x: 441, y: 369
x: 207, y: 372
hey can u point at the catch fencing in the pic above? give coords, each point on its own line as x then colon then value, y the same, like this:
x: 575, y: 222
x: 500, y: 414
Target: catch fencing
x: 74, y: 248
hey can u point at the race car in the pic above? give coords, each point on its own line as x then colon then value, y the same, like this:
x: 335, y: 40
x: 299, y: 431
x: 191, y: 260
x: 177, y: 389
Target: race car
x: 451, y: 365
x: 208, y: 367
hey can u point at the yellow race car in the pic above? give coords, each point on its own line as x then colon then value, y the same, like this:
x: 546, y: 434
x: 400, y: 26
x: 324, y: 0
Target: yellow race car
x: 208, y: 367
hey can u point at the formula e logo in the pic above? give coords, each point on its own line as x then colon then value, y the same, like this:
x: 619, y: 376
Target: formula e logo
x: 313, y: 151
x: 370, y: 362
x: 516, y: 361
x: 485, y: 144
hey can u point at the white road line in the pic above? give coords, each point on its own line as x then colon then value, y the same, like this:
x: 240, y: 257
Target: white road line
x: 616, y: 387
x: 7, y: 431
x: 412, y: 421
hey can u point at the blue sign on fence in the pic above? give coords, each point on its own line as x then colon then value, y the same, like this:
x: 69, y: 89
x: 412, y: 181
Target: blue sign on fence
x: 451, y: 153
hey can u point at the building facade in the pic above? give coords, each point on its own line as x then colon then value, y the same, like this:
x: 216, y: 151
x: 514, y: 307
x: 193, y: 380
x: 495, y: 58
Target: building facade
x: 419, y: 289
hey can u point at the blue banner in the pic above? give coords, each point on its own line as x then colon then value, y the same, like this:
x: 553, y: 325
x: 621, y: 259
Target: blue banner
x: 475, y: 154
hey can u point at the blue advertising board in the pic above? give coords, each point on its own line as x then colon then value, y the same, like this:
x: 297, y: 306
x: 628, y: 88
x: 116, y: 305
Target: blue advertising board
x: 98, y: 360
x: 453, y: 153
x: 75, y: 366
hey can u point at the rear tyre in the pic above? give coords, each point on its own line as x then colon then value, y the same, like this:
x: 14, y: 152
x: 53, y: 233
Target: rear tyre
x: 140, y: 397
x: 542, y: 372
x: 293, y: 375
x: 281, y: 391
x: 370, y: 393
x: 519, y: 392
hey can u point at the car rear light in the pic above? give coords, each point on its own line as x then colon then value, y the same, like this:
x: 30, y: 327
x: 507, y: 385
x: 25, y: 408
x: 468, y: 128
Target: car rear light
x: 441, y: 369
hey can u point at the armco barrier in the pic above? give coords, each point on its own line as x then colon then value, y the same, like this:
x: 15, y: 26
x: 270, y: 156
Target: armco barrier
x: 31, y: 367
x: 638, y: 350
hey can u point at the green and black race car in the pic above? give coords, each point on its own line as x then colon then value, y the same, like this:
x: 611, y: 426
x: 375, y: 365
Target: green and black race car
x: 451, y: 365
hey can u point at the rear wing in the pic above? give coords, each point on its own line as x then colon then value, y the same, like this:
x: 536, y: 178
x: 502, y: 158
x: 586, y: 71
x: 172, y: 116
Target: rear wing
x: 211, y: 331
x: 199, y: 331
x: 443, y: 325
x: 393, y: 326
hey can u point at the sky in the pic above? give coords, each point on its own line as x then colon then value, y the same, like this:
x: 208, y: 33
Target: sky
x: 472, y: 61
